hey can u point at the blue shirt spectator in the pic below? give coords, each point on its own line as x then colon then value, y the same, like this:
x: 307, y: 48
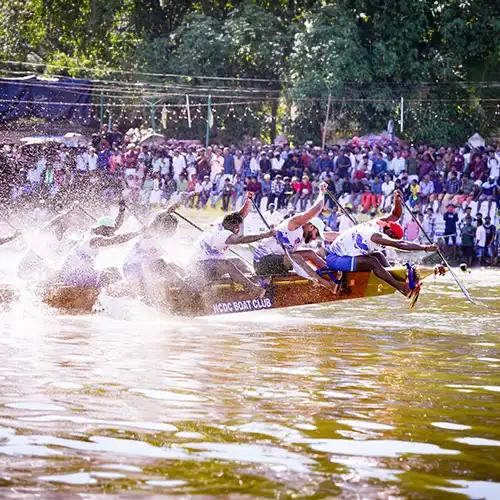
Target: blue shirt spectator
x: 228, y: 163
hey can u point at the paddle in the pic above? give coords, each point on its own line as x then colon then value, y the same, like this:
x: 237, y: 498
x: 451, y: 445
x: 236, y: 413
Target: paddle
x: 344, y: 211
x: 137, y: 218
x: 8, y: 223
x: 191, y: 223
x: 455, y: 277
x: 90, y: 216
x: 15, y: 235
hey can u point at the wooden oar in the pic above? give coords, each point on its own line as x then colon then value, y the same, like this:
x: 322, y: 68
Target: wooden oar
x: 455, y: 277
x: 8, y: 223
x: 344, y: 211
x: 89, y: 215
x: 137, y: 218
x: 191, y: 223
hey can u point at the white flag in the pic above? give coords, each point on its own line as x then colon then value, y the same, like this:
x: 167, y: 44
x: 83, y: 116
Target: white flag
x: 188, y: 111
x: 164, y: 116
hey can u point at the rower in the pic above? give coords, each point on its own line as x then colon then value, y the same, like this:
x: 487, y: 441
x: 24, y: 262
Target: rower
x: 360, y: 248
x: 270, y: 255
x: 36, y: 263
x: 209, y: 259
x: 79, y: 266
x: 144, y: 261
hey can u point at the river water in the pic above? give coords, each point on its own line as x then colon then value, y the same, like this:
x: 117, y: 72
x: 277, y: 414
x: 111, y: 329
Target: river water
x: 360, y: 399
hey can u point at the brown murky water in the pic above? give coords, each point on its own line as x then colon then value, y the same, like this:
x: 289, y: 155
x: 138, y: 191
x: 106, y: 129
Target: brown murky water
x: 362, y: 398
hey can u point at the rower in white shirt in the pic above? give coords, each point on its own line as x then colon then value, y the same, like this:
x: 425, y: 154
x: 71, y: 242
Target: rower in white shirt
x: 210, y: 261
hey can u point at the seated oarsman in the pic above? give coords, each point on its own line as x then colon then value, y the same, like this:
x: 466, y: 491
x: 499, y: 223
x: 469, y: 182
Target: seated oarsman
x: 79, y: 269
x: 270, y: 256
x: 210, y: 260
x: 360, y: 248
x: 144, y: 262
x: 50, y: 245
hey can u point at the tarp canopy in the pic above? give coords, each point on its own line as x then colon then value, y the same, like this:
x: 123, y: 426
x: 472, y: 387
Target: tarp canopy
x: 71, y: 139
x: 53, y: 99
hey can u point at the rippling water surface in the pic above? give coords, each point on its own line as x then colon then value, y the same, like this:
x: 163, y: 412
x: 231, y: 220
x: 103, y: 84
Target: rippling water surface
x: 361, y: 398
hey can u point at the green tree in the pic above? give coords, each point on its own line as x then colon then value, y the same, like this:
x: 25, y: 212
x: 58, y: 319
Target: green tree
x: 368, y: 53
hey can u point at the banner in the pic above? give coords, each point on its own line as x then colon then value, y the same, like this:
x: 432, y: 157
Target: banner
x: 54, y: 99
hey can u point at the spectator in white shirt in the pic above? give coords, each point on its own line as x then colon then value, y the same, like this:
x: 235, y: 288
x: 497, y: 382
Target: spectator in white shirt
x: 387, y: 190
x: 398, y: 163
x: 91, y: 160
x: 493, y: 166
x: 254, y: 164
x: 480, y: 241
x: 216, y: 165
x: 81, y: 162
x: 178, y: 164
x: 277, y: 163
x: 157, y: 163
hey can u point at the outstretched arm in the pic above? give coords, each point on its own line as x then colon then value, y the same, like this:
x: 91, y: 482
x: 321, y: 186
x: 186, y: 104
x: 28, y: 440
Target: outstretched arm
x: 171, y: 208
x: 397, y: 209
x: 402, y: 245
x: 103, y: 241
x: 300, y: 219
x: 121, y: 215
x: 251, y: 238
x: 245, y: 209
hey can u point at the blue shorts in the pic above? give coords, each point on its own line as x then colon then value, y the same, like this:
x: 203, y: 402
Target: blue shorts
x: 337, y: 263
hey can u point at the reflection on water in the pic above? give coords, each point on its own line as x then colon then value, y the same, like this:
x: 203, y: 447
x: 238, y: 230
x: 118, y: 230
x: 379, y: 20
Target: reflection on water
x: 361, y: 398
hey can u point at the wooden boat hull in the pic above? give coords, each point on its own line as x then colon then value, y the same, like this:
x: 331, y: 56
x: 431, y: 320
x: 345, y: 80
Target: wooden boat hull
x: 221, y: 297
x: 284, y: 291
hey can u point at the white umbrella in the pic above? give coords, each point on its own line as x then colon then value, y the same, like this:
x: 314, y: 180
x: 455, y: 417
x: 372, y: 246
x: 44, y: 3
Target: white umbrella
x: 75, y: 140
x: 476, y: 141
x: 153, y: 140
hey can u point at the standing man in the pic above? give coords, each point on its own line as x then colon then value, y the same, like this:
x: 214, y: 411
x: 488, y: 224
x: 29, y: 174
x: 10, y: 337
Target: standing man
x: 468, y: 234
x: 491, y: 233
x: 480, y: 241
x: 178, y: 164
x: 450, y: 227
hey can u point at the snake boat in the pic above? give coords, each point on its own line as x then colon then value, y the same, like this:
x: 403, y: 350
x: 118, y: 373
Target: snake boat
x: 223, y: 297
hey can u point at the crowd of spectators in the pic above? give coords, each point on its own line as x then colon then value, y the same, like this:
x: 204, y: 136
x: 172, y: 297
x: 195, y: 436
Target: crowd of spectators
x: 454, y: 191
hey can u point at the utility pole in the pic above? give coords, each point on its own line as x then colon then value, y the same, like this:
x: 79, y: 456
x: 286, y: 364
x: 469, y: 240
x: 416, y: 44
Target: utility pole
x: 323, y: 142
x: 401, y: 108
x: 210, y: 120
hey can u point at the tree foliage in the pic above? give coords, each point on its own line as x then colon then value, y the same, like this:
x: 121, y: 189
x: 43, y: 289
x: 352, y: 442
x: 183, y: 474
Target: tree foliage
x: 442, y: 56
